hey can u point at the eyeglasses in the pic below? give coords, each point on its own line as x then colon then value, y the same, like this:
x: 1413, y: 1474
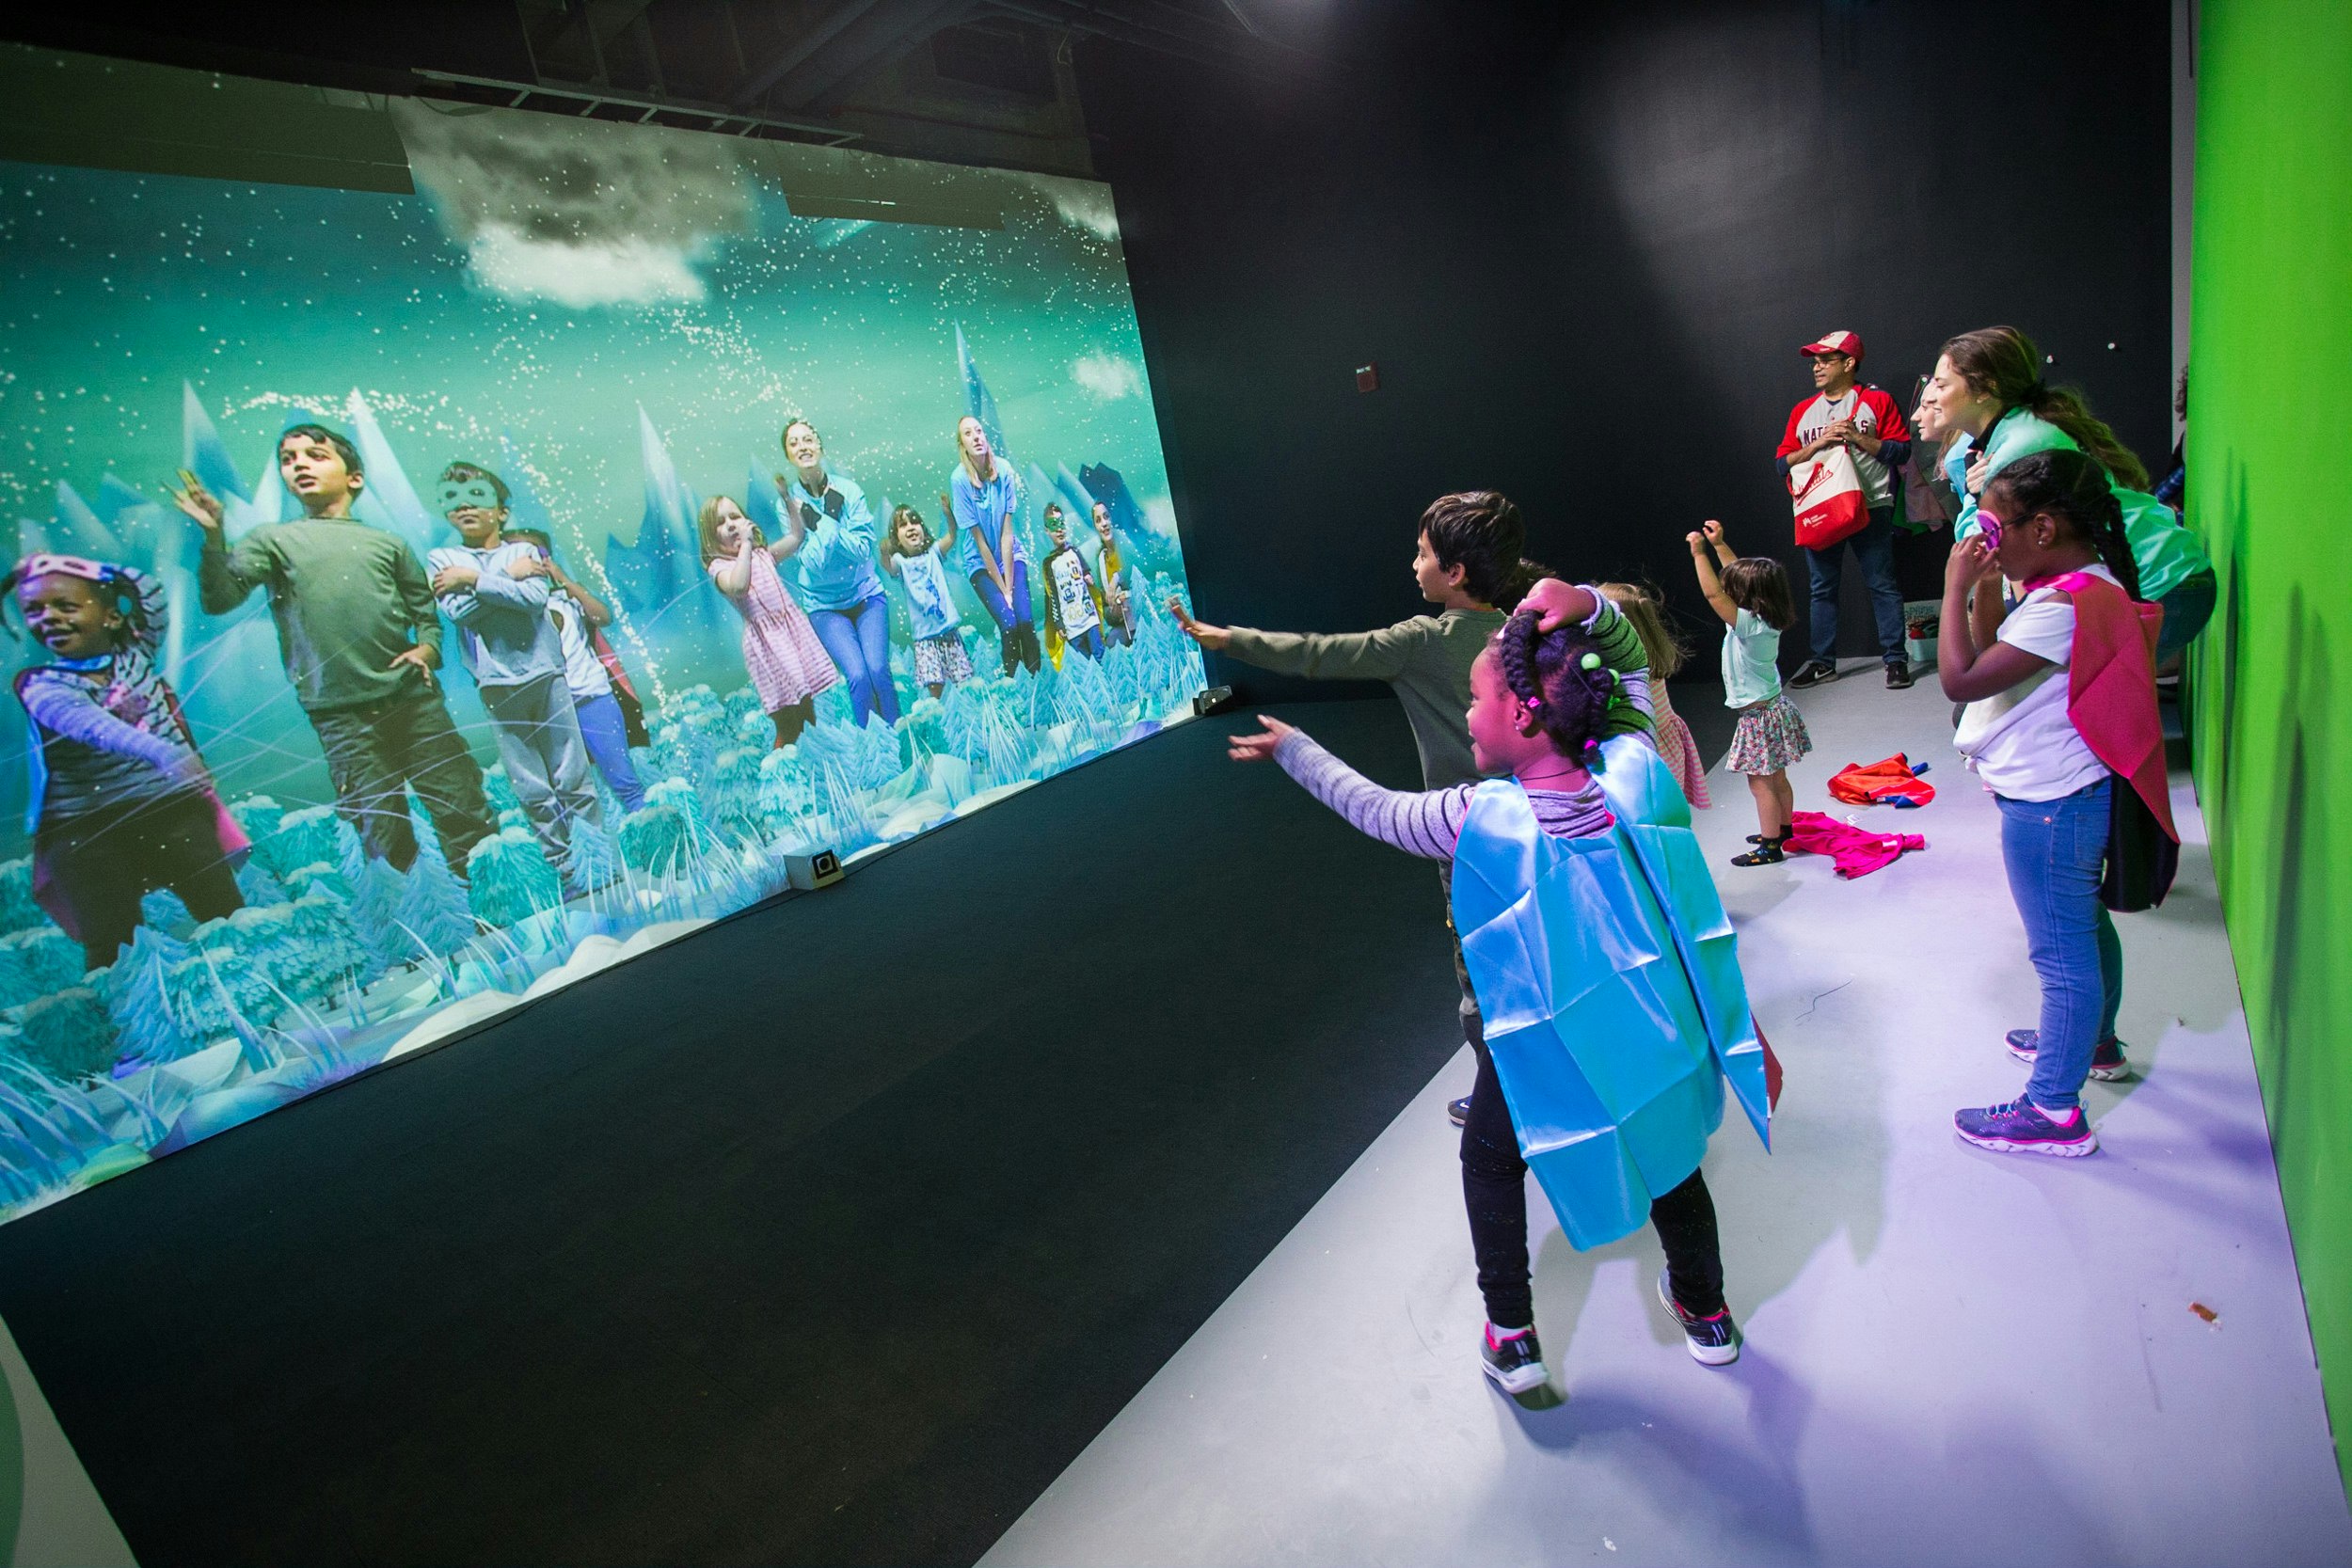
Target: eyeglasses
x: 1990, y: 526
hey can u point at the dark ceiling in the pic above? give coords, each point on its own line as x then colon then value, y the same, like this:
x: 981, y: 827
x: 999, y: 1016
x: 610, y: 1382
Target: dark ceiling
x: 972, y: 81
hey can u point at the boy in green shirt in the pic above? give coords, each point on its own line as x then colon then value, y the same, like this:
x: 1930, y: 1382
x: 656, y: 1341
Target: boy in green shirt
x: 361, y: 636
x: 1469, y: 564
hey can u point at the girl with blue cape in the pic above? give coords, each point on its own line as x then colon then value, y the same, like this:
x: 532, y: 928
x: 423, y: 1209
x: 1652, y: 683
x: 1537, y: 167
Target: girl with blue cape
x: 1605, y: 967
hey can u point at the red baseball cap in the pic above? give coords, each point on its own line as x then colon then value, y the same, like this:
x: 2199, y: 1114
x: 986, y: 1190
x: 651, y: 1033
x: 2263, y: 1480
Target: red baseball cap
x: 1846, y: 343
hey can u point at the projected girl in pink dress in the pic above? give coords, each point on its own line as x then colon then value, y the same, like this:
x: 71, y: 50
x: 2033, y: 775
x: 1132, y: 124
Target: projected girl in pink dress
x: 788, y: 666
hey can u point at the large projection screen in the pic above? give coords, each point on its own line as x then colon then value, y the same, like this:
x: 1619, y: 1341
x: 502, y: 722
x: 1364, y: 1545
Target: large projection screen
x: 421, y: 597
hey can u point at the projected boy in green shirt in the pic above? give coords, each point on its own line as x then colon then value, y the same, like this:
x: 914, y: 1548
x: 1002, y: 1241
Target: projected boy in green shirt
x: 362, y: 637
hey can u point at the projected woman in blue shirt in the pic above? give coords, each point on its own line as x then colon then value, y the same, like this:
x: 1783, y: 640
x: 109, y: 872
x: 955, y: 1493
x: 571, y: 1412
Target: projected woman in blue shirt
x: 986, y: 502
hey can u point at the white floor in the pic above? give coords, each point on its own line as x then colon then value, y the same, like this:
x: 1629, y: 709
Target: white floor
x: 1952, y: 1356
x: 50, y: 1514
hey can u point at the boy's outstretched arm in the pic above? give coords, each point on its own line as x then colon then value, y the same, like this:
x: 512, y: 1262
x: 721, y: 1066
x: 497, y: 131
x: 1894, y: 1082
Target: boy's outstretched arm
x: 224, y: 574
x: 1370, y: 656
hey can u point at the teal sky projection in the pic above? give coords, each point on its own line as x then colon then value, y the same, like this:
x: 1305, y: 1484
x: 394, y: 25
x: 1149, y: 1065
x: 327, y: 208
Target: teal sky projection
x: 618, y: 320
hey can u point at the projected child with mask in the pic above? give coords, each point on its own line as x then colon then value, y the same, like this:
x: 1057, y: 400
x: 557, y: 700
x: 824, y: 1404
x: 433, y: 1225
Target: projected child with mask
x: 496, y: 591
x: 361, y: 639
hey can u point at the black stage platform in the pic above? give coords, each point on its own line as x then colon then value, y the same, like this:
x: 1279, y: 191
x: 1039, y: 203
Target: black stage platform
x: 830, y: 1234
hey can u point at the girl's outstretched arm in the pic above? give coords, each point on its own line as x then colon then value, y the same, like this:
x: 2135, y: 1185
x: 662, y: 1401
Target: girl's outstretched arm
x: 1426, y: 823
x: 61, y: 710
x: 1710, y: 582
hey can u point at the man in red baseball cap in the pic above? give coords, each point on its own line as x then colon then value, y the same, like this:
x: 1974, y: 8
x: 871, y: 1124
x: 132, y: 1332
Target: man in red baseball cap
x: 1871, y: 428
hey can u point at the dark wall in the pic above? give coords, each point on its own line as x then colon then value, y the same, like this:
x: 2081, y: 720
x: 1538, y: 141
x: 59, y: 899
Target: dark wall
x: 1583, y: 252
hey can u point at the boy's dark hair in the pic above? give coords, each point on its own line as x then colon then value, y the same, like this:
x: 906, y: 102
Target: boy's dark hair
x: 1480, y: 531
x: 530, y: 536
x: 2002, y: 362
x: 463, y: 470
x: 343, y: 449
x: 2071, y: 487
x: 1757, y: 584
x: 1560, y: 676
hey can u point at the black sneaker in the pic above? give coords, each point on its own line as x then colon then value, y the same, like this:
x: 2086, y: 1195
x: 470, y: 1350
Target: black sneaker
x: 1457, y: 1111
x: 1899, y: 677
x: 1813, y: 672
x: 1712, y: 1341
x: 2107, y: 1060
x: 1516, y: 1363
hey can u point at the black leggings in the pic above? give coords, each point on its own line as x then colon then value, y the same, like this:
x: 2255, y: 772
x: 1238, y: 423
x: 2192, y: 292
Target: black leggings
x: 1494, y: 1189
x: 103, y: 861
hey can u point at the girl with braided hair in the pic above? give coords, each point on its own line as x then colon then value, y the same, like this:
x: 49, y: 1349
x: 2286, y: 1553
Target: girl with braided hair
x: 1467, y: 562
x: 1541, y: 704
x: 121, y: 803
x: 2061, y: 714
x: 1987, y: 386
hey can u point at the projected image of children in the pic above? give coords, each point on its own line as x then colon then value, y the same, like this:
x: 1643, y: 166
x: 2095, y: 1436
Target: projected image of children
x: 693, y: 638
x: 361, y: 637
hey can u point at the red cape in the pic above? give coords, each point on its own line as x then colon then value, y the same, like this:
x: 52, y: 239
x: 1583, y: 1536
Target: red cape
x: 2111, y: 685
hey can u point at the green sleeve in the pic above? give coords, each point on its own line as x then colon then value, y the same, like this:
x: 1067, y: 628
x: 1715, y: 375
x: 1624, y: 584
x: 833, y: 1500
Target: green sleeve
x: 1367, y: 656
x: 418, y: 609
x: 225, y: 575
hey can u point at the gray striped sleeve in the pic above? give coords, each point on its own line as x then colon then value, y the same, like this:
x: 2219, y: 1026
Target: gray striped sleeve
x: 1426, y: 823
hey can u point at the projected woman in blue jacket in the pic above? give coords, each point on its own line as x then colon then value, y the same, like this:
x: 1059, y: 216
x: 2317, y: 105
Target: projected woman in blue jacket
x: 986, y: 502
x: 832, y: 573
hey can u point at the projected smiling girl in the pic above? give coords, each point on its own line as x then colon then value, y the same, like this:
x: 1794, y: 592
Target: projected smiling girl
x: 1612, y: 1013
x: 788, y: 665
x: 122, y: 805
x: 912, y: 556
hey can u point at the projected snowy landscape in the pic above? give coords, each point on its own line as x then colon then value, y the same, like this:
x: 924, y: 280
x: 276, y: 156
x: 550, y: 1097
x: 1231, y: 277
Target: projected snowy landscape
x: 614, y: 324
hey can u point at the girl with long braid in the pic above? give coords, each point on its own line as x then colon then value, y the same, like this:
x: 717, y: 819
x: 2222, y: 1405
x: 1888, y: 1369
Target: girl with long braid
x: 2061, y: 714
x: 1614, y: 1075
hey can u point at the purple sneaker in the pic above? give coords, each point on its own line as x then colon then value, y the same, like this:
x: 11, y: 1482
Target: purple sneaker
x: 2020, y: 1127
x: 2106, y: 1061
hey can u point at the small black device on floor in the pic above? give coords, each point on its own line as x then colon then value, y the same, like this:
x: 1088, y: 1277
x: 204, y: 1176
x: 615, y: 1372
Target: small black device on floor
x: 1217, y: 699
x: 810, y: 872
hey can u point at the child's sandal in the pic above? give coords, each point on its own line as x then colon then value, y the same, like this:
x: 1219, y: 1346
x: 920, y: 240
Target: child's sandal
x: 1768, y: 852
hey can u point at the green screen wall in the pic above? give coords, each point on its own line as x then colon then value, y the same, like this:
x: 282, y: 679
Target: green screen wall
x: 2270, y: 353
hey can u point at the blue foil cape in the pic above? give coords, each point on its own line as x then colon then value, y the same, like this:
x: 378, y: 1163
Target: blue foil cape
x: 1608, y: 977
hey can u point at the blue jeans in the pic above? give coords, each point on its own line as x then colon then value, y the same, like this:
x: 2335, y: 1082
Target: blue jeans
x: 858, y: 640
x: 1874, y: 547
x: 606, y: 732
x: 1006, y: 616
x: 2055, y: 851
x: 2187, y: 606
x: 1088, y: 641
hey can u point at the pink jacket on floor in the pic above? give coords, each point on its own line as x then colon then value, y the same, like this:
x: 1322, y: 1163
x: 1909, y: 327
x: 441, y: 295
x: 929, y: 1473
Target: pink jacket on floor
x: 1857, y: 851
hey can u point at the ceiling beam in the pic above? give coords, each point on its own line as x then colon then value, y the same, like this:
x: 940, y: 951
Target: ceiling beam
x: 845, y: 12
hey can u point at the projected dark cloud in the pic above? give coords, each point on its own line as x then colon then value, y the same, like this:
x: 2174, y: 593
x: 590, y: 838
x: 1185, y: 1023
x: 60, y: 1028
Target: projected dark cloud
x: 576, y: 212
